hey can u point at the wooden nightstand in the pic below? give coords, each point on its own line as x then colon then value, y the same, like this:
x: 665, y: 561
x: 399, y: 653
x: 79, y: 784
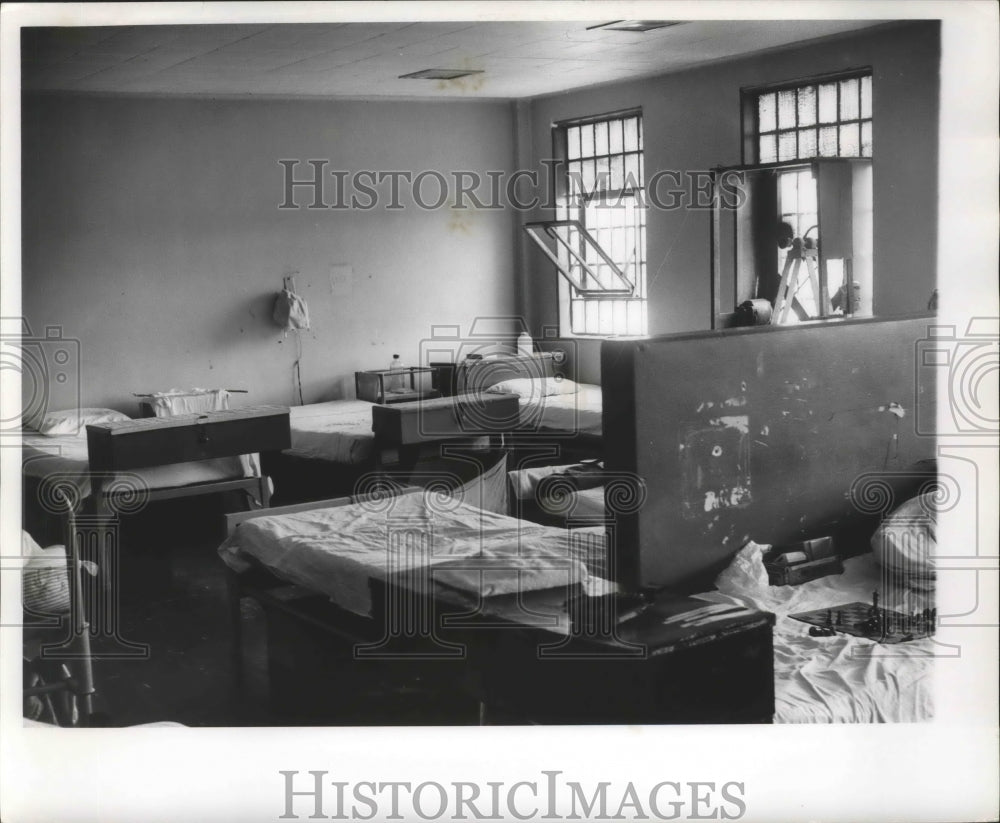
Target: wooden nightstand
x: 159, y: 441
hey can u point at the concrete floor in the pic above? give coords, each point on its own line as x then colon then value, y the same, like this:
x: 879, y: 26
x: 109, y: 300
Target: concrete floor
x: 173, y: 599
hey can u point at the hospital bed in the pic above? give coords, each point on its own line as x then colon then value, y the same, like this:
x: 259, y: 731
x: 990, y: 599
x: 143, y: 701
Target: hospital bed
x: 425, y: 586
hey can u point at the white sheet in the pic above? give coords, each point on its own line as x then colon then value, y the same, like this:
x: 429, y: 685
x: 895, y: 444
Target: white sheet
x: 67, y: 456
x: 579, y: 412
x: 336, y: 551
x: 842, y: 679
x: 339, y: 431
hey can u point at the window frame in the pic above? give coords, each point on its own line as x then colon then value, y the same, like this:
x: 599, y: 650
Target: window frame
x: 567, y: 296
x: 750, y: 115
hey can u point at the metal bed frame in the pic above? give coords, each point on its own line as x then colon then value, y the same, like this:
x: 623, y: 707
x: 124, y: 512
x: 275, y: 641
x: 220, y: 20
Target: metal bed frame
x: 75, y: 687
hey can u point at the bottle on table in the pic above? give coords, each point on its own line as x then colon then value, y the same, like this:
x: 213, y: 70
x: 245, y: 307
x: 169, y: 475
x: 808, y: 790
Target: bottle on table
x: 395, y: 381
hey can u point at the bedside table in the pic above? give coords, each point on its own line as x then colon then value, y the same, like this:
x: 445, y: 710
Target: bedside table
x: 385, y: 386
x: 158, y: 441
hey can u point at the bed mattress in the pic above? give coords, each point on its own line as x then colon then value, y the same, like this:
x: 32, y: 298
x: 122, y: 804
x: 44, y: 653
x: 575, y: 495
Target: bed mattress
x: 339, y: 431
x: 66, y: 456
x: 578, y: 413
x: 840, y: 679
x: 337, y: 551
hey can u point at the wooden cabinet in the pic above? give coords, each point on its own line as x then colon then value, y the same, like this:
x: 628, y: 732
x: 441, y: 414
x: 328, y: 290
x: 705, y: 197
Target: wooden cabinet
x: 156, y: 441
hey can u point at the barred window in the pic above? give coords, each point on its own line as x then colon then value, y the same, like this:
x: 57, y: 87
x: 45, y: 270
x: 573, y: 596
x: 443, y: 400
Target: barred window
x: 825, y: 118
x: 601, y: 184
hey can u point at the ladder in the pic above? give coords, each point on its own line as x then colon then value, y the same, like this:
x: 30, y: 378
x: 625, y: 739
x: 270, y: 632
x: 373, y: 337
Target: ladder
x: 792, y: 281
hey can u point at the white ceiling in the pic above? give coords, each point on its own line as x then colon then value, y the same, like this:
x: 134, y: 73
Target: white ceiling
x: 518, y: 59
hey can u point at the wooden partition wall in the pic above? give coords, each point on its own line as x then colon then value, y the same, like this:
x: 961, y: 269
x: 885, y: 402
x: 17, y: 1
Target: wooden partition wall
x: 760, y: 433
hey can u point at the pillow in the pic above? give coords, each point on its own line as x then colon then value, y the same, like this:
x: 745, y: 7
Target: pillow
x: 74, y: 421
x: 905, y: 542
x: 534, y: 386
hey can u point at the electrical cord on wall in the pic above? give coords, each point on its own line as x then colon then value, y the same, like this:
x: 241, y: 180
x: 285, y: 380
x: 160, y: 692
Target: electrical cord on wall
x: 297, y: 366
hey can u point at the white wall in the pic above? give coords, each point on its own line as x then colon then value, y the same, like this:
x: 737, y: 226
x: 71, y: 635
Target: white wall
x: 151, y: 232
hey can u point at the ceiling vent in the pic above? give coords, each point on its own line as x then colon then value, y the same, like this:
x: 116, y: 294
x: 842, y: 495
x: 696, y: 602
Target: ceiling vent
x: 635, y: 25
x: 439, y: 74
